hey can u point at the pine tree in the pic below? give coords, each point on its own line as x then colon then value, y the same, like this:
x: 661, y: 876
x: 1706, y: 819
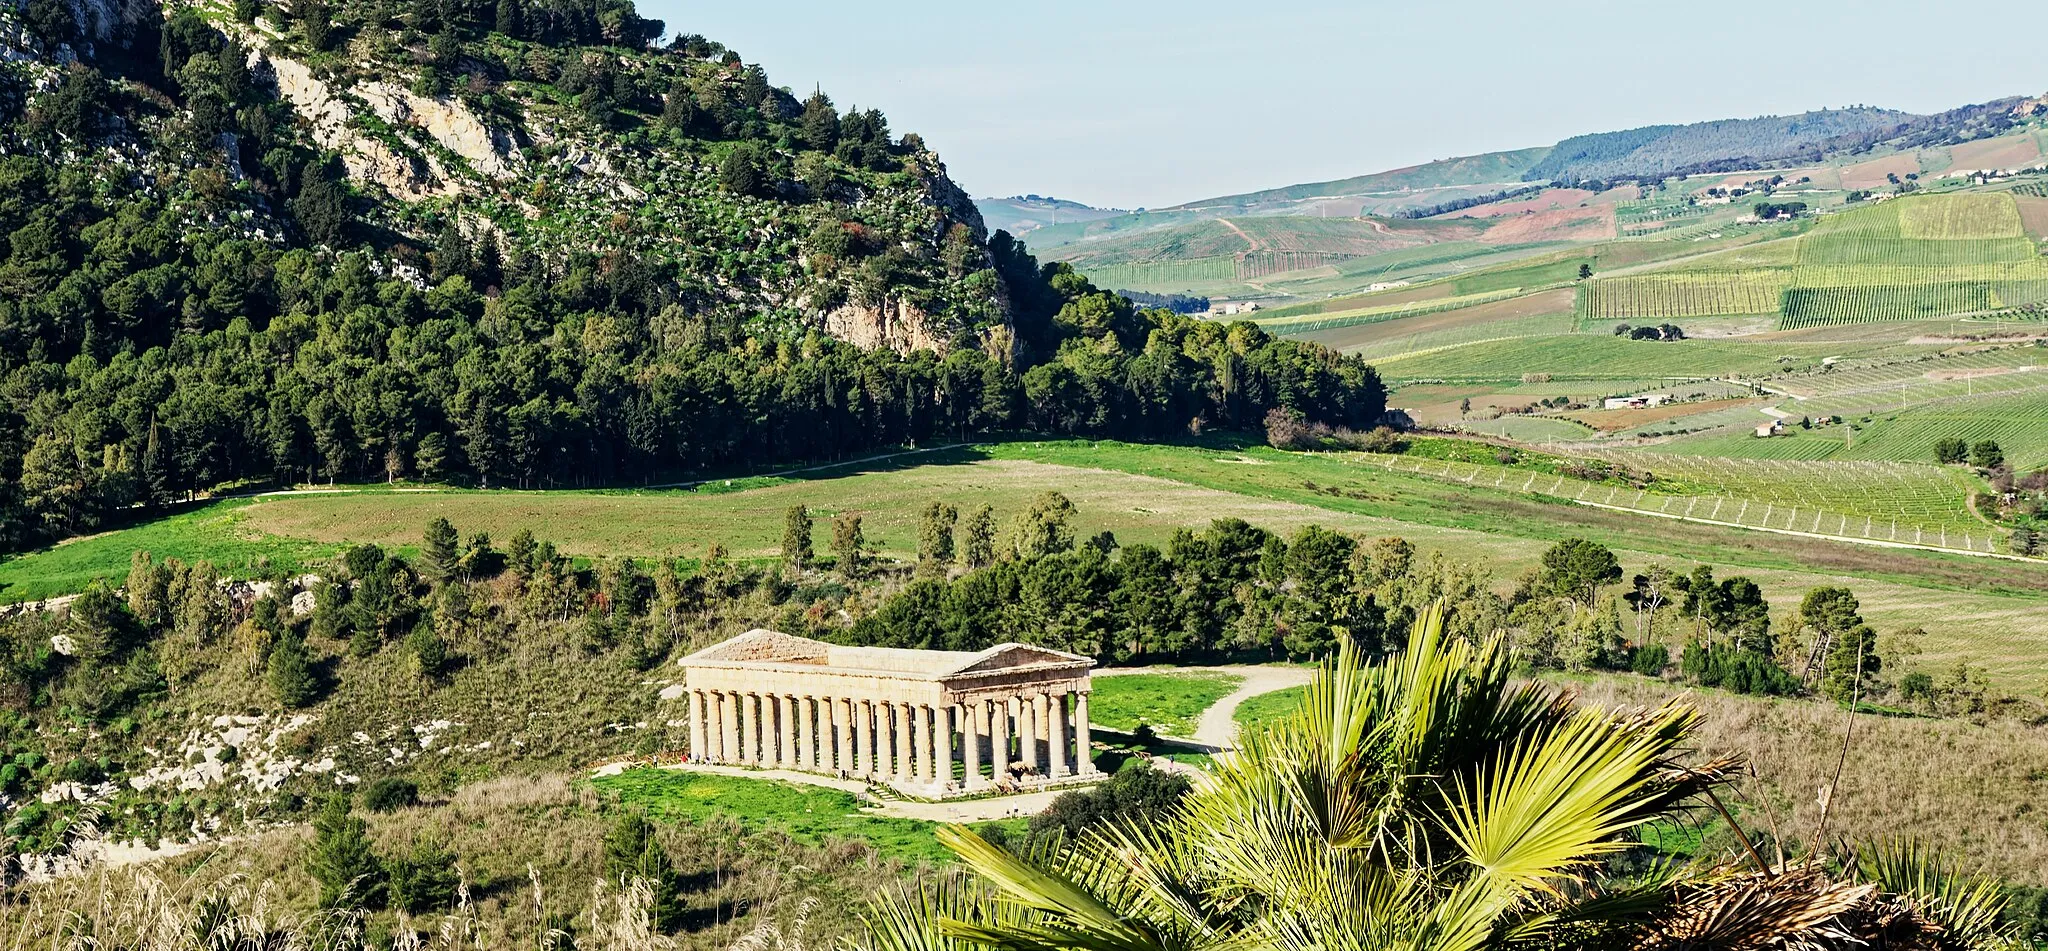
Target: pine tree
x: 978, y: 547
x: 511, y: 19
x: 341, y: 859
x: 291, y: 673
x: 820, y: 123
x: 850, y: 545
x: 631, y: 852
x: 521, y: 554
x: 935, y: 539
x: 451, y: 253
x: 439, y: 551
x: 796, y: 538
x: 424, y: 881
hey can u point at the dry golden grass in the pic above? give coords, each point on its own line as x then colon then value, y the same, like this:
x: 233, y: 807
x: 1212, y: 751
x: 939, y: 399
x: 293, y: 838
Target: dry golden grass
x: 1974, y: 791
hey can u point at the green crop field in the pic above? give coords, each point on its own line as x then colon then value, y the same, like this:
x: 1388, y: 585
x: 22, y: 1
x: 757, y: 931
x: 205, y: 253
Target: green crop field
x: 1170, y: 275
x: 1913, y: 258
x: 1312, y: 323
x: 1681, y: 294
x: 1142, y: 493
x: 2018, y: 423
x: 1603, y: 356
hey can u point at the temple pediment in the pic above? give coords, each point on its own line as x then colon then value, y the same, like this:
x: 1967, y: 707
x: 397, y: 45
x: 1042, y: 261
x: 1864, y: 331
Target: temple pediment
x: 1013, y: 656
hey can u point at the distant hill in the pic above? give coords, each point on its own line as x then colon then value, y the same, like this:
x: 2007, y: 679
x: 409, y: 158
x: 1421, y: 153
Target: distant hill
x: 1022, y: 214
x: 1661, y: 182
x: 1720, y: 145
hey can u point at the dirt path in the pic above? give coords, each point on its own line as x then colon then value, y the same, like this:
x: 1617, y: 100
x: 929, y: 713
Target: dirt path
x: 1248, y: 239
x: 1218, y: 728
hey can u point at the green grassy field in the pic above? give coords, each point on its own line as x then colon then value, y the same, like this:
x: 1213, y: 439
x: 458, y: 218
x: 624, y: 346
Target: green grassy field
x: 1913, y: 258
x: 218, y: 532
x: 1268, y: 707
x: 809, y: 814
x: 1978, y: 609
x: 1171, y: 703
x: 1603, y: 356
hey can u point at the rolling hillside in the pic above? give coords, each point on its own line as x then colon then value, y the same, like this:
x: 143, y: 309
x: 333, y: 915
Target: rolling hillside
x: 1693, y: 183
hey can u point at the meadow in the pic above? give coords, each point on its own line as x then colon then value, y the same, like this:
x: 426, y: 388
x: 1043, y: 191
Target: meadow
x: 1979, y: 608
x: 1171, y: 702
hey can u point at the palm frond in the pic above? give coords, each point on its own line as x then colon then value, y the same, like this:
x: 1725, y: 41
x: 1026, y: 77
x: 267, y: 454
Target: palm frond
x: 1969, y: 909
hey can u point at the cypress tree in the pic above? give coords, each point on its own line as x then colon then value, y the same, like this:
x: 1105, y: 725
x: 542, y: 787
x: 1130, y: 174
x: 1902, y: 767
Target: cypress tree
x: 978, y: 546
x: 935, y: 539
x: 850, y: 545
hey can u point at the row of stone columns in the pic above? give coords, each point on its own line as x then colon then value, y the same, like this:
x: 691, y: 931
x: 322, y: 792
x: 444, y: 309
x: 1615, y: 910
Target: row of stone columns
x: 900, y: 742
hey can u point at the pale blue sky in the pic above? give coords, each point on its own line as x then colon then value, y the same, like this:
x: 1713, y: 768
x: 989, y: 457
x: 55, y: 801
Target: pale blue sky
x: 1147, y: 102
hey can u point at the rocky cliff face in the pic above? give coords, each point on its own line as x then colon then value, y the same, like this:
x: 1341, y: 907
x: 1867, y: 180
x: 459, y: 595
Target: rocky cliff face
x: 897, y: 325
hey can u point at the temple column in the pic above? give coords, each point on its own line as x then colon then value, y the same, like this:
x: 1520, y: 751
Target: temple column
x: 728, y: 727
x: 970, y: 735
x: 899, y: 742
x: 1029, y: 734
x: 806, y: 737
x: 942, y: 750
x: 1084, y: 748
x: 696, y: 726
x: 864, y: 737
x: 842, y: 712
x: 1033, y: 756
x: 919, y: 763
x: 749, y: 732
x: 1058, y: 746
x: 787, y: 734
x: 1005, y: 728
x: 885, y: 739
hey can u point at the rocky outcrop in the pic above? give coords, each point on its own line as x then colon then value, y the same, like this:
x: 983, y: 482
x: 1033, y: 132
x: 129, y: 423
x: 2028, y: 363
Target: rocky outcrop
x: 366, y: 157
x: 399, y: 169
x: 488, y: 151
x: 895, y: 324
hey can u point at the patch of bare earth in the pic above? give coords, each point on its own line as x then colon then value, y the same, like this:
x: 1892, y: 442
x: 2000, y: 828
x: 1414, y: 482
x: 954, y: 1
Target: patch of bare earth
x: 1877, y: 172
x: 1615, y: 420
x: 1558, y: 301
x: 2033, y: 214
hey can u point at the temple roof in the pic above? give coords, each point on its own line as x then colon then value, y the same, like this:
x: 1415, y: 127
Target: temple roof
x: 764, y: 649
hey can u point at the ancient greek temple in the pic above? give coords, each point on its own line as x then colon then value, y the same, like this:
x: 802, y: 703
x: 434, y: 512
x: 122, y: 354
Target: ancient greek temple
x: 928, y: 723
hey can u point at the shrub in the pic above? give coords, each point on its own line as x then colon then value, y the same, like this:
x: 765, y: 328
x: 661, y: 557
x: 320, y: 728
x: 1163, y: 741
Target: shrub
x: 1137, y: 791
x: 424, y: 881
x: 391, y: 794
x: 1650, y: 660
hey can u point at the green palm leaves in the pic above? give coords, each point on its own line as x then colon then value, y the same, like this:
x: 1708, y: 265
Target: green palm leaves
x: 1428, y: 803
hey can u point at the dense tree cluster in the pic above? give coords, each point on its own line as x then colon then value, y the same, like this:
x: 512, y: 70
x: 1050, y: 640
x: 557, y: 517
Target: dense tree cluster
x: 152, y: 348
